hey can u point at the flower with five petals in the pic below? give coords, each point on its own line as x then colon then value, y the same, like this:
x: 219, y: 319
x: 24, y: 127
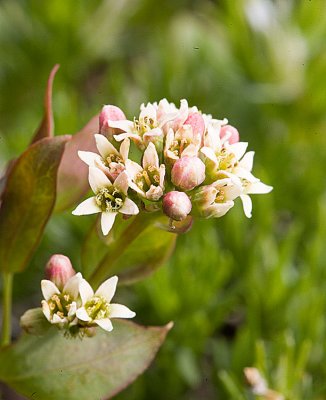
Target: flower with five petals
x: 97, y: 308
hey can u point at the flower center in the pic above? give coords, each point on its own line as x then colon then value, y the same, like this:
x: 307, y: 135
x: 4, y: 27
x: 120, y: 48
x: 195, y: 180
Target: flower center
x: 148, y: 177
x: 60, y: 304
x: 144, y: 125
x: 109, y: 199
x: 97, y: 308
x: 226, y: 160
x: 113, y: 158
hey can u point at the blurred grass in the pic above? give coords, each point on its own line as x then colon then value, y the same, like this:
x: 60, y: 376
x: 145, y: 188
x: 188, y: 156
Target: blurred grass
x: 241, y: 292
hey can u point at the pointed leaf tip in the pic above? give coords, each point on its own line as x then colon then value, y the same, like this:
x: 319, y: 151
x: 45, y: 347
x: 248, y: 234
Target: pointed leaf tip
x: 46, y: 128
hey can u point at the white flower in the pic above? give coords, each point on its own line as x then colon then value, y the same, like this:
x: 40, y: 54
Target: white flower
x: 216, y: 199
x: 141, y: 130
x: 147, y: 180
x: 110, y: 160
x: 59, y: 307
x: 153, y: 122
x: 97, y: 309
x: 110, y: 198
x: 250, y: 184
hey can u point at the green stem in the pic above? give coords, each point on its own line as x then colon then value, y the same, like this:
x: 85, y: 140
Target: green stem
x: 6, y: 308
x: 140, y: 223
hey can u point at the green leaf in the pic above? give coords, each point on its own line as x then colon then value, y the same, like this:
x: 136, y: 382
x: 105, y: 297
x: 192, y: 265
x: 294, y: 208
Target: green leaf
x: 27, y: 201
x: 53, y: 367
x: 73, y: 173
x: 46, y: 128
x: 133, y: 250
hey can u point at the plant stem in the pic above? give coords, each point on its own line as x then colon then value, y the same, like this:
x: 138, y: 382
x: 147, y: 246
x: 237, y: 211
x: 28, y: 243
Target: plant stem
x: 121, y: 244
x: 6, y: 308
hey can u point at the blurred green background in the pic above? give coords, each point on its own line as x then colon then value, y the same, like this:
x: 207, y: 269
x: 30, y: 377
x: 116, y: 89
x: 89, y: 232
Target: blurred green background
x: 241, y: 292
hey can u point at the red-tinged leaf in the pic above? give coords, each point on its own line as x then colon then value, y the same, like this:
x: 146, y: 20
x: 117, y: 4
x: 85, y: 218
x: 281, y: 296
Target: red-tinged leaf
x: 46, y: 128
x: 28, y: 200
x: 53, y: 367
x: 73, y: 173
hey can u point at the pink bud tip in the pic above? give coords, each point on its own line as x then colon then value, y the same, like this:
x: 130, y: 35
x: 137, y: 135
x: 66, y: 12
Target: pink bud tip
x: 108, y: 113
x: 59, y: 270
x: 230, y: 134
x: 188, y: 172
x: 196, y: 121
x: 176, y: 205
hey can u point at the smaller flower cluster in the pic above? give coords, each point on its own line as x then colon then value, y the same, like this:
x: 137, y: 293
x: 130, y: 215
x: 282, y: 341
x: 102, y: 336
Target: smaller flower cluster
x: 71, y: 304
x: 177, y: 160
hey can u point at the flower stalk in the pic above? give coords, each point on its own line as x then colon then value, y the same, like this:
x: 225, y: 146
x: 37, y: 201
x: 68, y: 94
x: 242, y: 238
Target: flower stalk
x: 120, y: 245
x: 7, y: 279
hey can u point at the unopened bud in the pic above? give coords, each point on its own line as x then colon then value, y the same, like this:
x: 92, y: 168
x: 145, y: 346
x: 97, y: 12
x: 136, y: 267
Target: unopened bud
x: 197, y: 123
x: 108, y: 113
x: 188, y: 172
x: 176, y: 205
x: 59, y: 270
x: 229, y: 134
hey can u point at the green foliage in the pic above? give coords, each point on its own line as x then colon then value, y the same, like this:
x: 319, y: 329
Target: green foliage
x: 87, y: 369
x: 134, y: 249
x: 232, y: 284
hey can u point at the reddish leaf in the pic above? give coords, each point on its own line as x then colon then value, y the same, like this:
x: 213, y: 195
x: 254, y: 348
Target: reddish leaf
x: 73, y: 173
x: 46, y: 128
x: 28, y: 200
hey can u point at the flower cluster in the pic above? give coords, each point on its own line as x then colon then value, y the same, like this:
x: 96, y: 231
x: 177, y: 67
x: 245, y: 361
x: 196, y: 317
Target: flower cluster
x: 72, y: 304
x: 177, y: 160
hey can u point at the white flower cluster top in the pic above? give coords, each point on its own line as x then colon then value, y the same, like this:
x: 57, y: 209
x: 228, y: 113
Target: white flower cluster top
x: 177, y: 160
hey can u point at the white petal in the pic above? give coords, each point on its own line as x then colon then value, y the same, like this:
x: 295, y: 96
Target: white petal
x: 107, y: 221
x: 90, y: 158
x: 259, y: 188
x: 150, y: 157
x: 107, y: 288
x: 162, y: 175
x: 209, y: 153
x: 129, y: 207
x: 133, y: 186
x: 86, y: 291
x: 217, y: 210
x: 191, y: 150
x: 98, y: 179
x: 152, y: 133
x: 87, y: 207
x: 57, y: 320
x: 72, y: 285
x: 46, y: 310
x: 105, y: 324
x: 148, y: 111
x: 247, y: 160
x: 120, y: 311
x: 122, y: 182
x: 72, y: 309
x: 81, y: 314
x: 124, y: 125
x: 245, y: 174
x: 247, y: 205
x: 104, y: 146
x: 238, y: 149
x: 48, y: 289
x: 133, y: 168
x: 124, y: 149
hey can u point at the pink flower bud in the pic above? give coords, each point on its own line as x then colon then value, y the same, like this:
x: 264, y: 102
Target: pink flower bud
x: 108, y: 113
x: 188, y: 172
x: 230, y: 134
x: 59, y: 270
x: 176, y: 205
x: 197, y: 123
